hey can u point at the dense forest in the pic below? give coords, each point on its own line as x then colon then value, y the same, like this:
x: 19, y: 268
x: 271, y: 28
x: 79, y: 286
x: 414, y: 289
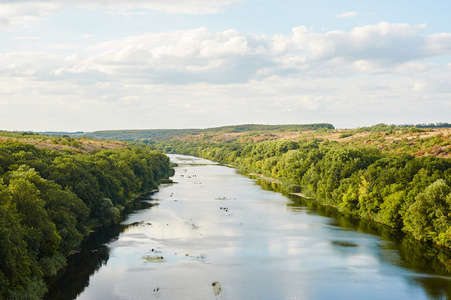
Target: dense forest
x: 401, y: 191
x: 51, y: 200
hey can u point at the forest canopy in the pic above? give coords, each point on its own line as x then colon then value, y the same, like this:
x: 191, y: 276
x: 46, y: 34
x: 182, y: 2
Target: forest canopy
x: 51, y: 200
x: 398, y: 190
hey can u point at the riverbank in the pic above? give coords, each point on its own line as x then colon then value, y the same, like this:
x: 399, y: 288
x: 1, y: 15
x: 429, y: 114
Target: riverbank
x: 440, y: 253
x: 254, y: 243
x: 400, y: 191
x: 275, y: 180
x: 50, y: 201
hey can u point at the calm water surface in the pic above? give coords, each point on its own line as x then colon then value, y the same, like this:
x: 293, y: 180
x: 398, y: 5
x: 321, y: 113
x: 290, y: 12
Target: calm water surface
x: 216, y: 234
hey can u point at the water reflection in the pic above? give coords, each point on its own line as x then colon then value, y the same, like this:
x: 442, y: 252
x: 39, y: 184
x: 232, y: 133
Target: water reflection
x: 70, y: 282
x: 216, y: 234
x: 398, y: 248
x: 75, y: 278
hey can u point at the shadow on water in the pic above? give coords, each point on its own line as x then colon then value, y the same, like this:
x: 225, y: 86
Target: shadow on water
x: 72, y: 280
x: 431, y: 262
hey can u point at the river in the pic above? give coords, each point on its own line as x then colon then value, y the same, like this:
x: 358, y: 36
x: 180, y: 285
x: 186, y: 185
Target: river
x: 216, y: 234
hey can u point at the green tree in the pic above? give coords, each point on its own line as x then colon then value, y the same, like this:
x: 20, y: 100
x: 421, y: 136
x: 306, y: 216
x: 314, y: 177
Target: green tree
x: 429, y: 217
x: 40, y: 232
x: 16, y: 265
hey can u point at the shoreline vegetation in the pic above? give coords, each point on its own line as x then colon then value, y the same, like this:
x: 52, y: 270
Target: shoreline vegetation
x: 402, y: 192
x: 396, y: 176
x: 274, y: 180
x: 399, y: 191
x: 52, y: 199
x: 56, y: 189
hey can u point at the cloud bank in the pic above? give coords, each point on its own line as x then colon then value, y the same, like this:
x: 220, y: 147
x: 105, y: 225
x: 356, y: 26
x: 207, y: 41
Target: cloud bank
x: 378, y: 73
x: 229, y: 57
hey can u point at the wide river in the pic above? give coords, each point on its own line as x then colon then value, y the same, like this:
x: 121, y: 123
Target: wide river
x: 216, y: 234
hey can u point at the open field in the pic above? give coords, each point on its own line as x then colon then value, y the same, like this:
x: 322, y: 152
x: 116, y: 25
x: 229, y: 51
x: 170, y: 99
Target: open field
x: 63, y: 143
x: 415, y: 141
x: 418, y: 142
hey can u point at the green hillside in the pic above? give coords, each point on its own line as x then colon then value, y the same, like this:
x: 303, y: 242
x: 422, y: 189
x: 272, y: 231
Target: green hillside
x: 166, y: 134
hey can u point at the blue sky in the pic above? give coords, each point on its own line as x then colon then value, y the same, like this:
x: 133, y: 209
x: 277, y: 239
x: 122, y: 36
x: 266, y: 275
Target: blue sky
x: 137, y: 64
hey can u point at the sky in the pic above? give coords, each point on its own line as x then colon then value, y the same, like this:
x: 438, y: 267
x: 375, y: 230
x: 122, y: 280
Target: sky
x: 90, y: 65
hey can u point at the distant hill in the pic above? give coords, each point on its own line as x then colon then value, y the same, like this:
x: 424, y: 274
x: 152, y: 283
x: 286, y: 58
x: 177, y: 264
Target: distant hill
x: 60, y: 142
x: 167, y: 134
x: 406, y: 139
x: 61, y: 133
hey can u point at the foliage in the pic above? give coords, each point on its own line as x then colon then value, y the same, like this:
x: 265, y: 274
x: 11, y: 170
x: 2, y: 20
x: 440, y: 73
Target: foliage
x: 400, y: 191
x: 49, y: 199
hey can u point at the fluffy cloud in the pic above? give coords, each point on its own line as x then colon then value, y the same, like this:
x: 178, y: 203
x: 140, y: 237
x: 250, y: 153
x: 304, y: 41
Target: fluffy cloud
x: 376, y: 73
x: 177, y: 57
x: 383, y: 42
x: 226, y: 57
x: 29, y: 64
x: 348, y: 14
x: 16, y: 12
x: 439, y: 44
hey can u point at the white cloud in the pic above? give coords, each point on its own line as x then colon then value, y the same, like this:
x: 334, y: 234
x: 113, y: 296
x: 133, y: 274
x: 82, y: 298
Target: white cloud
x: 19, y: 12
x: 232, y: 78
x: 24, y: 64
x: 343, y: 100
x: 439, y: 44
x: 348, y: 14
x: 383, y: 42
x: 199, y: 55
x: 181, y: 56
x: 14, y: 13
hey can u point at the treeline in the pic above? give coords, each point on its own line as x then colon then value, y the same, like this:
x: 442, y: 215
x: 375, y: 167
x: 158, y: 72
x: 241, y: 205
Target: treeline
x: 400, y: 191
x: 167, y: 134
x: 264, y: 128
x: 385, y: 127
x: 430, y: 125
x: 133, y: 135
x: 50, y: 201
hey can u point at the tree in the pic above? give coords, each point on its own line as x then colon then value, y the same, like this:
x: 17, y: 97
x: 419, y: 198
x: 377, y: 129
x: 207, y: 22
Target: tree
x: 40, y: 232
x: 15, y: 262
x: 429, y: 217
